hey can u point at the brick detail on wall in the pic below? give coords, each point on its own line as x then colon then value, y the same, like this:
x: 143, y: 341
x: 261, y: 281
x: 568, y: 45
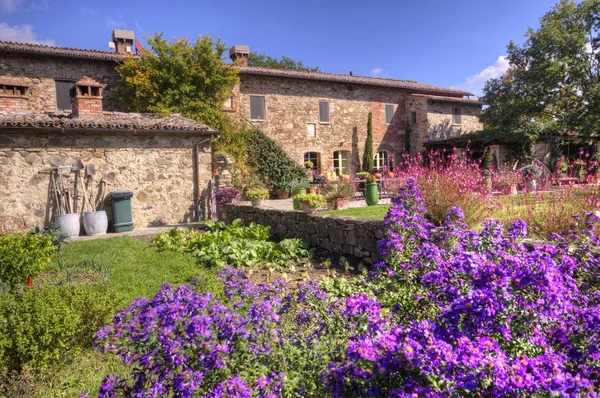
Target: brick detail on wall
x: 87, y: 106
x: 158, y: 169
x: 13, y: 103
x: 340, y: 235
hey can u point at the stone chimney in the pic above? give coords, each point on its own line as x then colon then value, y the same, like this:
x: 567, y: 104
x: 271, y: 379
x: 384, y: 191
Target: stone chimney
x: 87, y: 100
x: 239, y: 55
x: 123, y: 41
x: 13, y: 94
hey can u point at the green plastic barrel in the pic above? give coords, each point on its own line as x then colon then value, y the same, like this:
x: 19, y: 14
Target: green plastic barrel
x: 298, y: 205
x: 372, y: 194
x: 121, y: 209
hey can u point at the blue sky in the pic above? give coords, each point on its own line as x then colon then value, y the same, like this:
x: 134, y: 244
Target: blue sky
x: 456, y: 43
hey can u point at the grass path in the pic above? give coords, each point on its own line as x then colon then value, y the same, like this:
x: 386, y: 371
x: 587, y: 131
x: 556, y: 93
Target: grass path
x: 374, y: 212
x: 137, y: 269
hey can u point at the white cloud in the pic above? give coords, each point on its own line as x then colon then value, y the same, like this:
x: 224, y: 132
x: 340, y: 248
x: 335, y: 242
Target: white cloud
x: 21, y: 34
x: 23, y: 5
x: 116, y: 22
x: 375, y: 72
x: 475, y: 83
x: 10, y: 5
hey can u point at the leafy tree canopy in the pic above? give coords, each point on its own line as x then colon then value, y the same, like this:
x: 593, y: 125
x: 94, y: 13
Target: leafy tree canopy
x: 179, y: 77
x: 553, y: 82
x: 257, y: 59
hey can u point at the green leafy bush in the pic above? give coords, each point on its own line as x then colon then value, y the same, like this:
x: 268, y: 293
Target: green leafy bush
x: 43, y: 326
x: 274, y: 167
x: 234, y: 244
x: 23, y: 256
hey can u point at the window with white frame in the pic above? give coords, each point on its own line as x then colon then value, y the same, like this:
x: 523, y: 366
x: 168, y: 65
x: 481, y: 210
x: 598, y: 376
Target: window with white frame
x: 257, y: 107
x: 382, y: 161
x: 323, y: 112
x: 341, y: 162
x: 314, y: 158
x: 311, y: 130
x: 389, y: 113
x: 456, y: 116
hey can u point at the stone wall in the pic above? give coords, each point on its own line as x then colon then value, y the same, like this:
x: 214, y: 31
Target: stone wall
x: 40, y: 73
x: 439, y: 117
x: 290, y: 105
x: 159, y: 169
x: 340, y: 235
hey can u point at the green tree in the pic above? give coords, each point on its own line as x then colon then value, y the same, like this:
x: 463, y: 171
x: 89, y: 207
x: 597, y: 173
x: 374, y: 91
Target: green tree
x: 368, y: 154
x: 263, y: 60
x: 179, y: 77
x: 553, y: 82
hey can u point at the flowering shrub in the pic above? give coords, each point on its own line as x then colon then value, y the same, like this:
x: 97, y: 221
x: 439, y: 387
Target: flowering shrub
x: 445, y: 182
x: 507, y: 320
x: 264, y: 341
x: 451, y: 312
x: 227, y: 195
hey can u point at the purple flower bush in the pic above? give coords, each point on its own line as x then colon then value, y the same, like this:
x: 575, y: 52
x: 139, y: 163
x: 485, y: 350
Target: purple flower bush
x: 225, y: 195
x: 450, y: 312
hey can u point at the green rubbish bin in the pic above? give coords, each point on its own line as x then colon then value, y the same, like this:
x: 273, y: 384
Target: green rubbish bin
x: 121, y: 209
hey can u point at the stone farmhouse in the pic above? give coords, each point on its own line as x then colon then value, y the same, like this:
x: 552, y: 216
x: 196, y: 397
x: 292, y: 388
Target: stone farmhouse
x: 56, y: 104
x: 322, y: 117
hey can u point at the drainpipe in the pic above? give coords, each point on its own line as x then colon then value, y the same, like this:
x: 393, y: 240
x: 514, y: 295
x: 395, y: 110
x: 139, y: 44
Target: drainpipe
x: 197, y: 193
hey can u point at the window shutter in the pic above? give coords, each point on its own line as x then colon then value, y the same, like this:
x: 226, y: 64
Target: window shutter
x: 324, y: 112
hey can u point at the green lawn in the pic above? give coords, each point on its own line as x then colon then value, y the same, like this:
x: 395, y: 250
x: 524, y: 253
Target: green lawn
x: 136, y: 269
x: 374, y: 212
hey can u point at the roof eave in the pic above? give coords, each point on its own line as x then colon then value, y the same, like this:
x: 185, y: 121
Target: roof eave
x: 208, y: 132
x: 424, y: 90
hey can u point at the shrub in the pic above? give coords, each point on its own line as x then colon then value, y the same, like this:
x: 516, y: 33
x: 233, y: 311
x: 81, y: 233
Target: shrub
x: 44, y: 326
x: 314, y: 200
x: 227, y: 195
x: 273, y: 165
x: 362, y: 174
x: 338, y: 190
x: 22, y: 256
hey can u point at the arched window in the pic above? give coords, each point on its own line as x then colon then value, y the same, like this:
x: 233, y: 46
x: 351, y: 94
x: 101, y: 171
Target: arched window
x: 341, y: 162
x: 315, y: 158
x: 383, y: 160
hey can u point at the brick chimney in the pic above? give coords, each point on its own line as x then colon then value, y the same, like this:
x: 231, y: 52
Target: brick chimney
x: 239, y: 55
x: 123, y: 41
x: 13, y: 94
x: 87, y: 100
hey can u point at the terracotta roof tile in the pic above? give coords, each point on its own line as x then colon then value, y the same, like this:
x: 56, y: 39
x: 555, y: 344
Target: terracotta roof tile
x: 65, y: 52
x: 108, y: 121
x: 450, y: 99
x: 410, y: 85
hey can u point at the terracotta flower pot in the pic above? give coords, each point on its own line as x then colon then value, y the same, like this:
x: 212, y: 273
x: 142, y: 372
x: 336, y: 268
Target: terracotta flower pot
x: 281, y: 194
x: 312, y: 189
x: 340, y: 204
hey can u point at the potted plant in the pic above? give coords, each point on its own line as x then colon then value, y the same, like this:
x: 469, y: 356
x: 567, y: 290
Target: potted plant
x: 282, y: 193
x: 257, y: 195
x: 377, y: 175
x: 308, y: 164
x: 300, y: 188
x: 311, y: 202
x: 371, y: 191
x: 338, y: 194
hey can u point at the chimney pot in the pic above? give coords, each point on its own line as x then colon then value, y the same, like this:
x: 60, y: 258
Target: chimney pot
x: 123, y: 40
x: 87, y: 100
x: 239, y: 55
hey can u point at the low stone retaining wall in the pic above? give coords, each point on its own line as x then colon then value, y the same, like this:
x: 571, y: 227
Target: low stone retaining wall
x: 341, y: 235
